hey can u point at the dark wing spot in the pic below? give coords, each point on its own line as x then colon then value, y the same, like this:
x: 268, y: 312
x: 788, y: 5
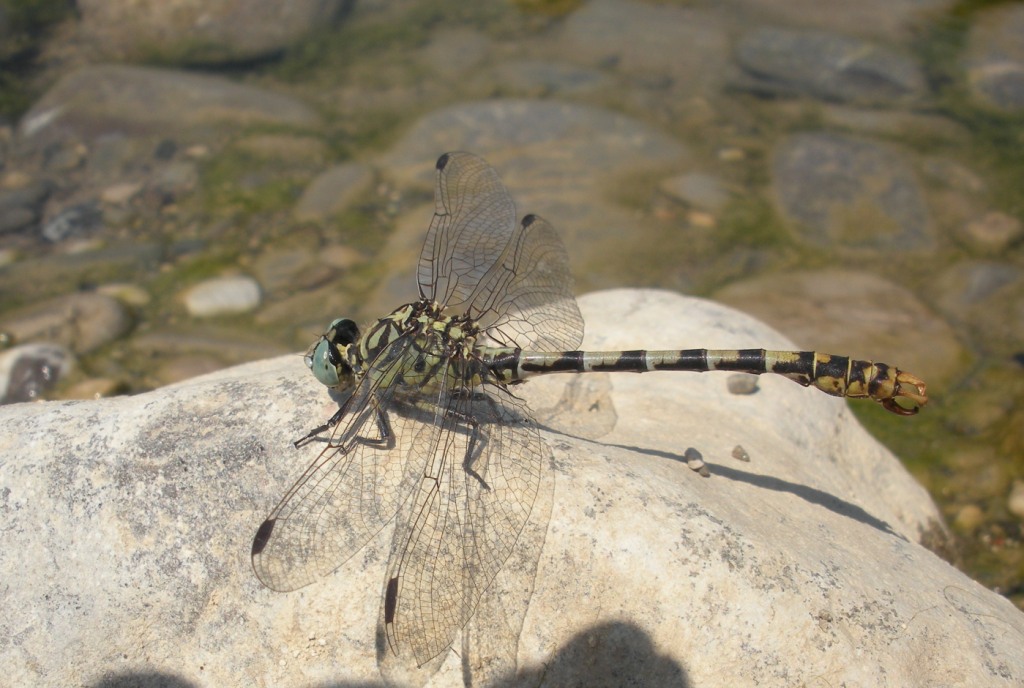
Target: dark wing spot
x: 262, y: 536
x: 529, y: 219
x: 443, y: 161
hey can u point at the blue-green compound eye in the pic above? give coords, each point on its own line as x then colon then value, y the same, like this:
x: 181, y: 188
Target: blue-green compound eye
x: 320, y: 363
x: 327, y: 360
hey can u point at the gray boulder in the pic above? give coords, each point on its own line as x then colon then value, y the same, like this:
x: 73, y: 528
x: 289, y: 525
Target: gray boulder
x: 128, y: 523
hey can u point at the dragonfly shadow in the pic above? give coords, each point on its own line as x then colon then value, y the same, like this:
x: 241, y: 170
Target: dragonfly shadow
x: 809, y: 494
x: 605, y: 655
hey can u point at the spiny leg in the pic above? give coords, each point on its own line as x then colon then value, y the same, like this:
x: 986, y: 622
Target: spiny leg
x: 385, y: 438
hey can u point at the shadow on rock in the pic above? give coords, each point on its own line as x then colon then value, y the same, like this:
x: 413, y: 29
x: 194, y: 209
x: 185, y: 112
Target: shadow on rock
x: 607, y: 655
x: 142, y: 679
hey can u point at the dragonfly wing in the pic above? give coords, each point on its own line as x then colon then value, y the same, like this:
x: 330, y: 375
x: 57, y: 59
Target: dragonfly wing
x: 473, y: 499
x: 473, y: 219
x: 349, y: 493
x: 528, y: 302
x: 513, y: 278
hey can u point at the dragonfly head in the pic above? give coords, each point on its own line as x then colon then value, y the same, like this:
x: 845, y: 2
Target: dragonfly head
x: 328, y: 357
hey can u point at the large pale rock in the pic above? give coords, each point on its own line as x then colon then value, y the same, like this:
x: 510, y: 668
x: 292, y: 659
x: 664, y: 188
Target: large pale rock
x: 222, y: 295
x: 127, y: 526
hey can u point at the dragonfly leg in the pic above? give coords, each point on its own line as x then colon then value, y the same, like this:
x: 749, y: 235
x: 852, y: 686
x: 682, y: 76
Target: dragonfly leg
x: 474, y: 436
x: 386, y: 438
x: 320, y: 429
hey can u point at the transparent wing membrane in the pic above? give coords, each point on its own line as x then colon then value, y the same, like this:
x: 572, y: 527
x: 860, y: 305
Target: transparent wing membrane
x: 473, y: 219
x: 483, y: 460
x: 348, y: 494
x: 511, y: 278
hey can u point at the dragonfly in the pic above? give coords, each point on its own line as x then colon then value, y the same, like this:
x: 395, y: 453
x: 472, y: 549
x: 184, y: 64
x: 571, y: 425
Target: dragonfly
x: 431, y: 434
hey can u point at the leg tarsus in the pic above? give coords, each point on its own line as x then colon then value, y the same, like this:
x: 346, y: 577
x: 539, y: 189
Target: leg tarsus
x: 320, y: 429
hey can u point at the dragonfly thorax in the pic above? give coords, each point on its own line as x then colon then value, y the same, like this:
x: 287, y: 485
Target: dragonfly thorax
x: 411, y: 346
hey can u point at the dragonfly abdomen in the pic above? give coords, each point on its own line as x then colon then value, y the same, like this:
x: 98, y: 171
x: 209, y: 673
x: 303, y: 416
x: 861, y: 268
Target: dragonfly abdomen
x: 839, y: 376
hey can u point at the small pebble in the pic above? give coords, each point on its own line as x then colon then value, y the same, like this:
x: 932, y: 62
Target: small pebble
x: 969, y: 518
x: 28, y: 371
x: 993, y: 231
x: 701, y: 219
x: 1015, y: 502
x: 731, y: 154
x: 740, y: 454
x: 197, y: 151
x: 223, y: 295
x: 75, y: 222
x: 119, y: 194
x: 165, y: 150
x: 695, y: 461
x: 701, y: 191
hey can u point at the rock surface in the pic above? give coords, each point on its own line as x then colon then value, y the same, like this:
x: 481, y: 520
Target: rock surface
x: 213, y: 31
x: 856, y: 313
x: 28, y: 371
x: 650, y: 39
x: 332, y: 191
x: 842, y: 191
x: 82, y: 322
x: 128, y: 524
x: 111, y: 100
x: 827, y: 66
x: 874, y: 19
x: 994, y: 58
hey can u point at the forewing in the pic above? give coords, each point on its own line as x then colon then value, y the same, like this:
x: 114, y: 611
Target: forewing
x: 473, y: 220
x: 513, y: 278
x: 467, y: 512
x: 349, y: 493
